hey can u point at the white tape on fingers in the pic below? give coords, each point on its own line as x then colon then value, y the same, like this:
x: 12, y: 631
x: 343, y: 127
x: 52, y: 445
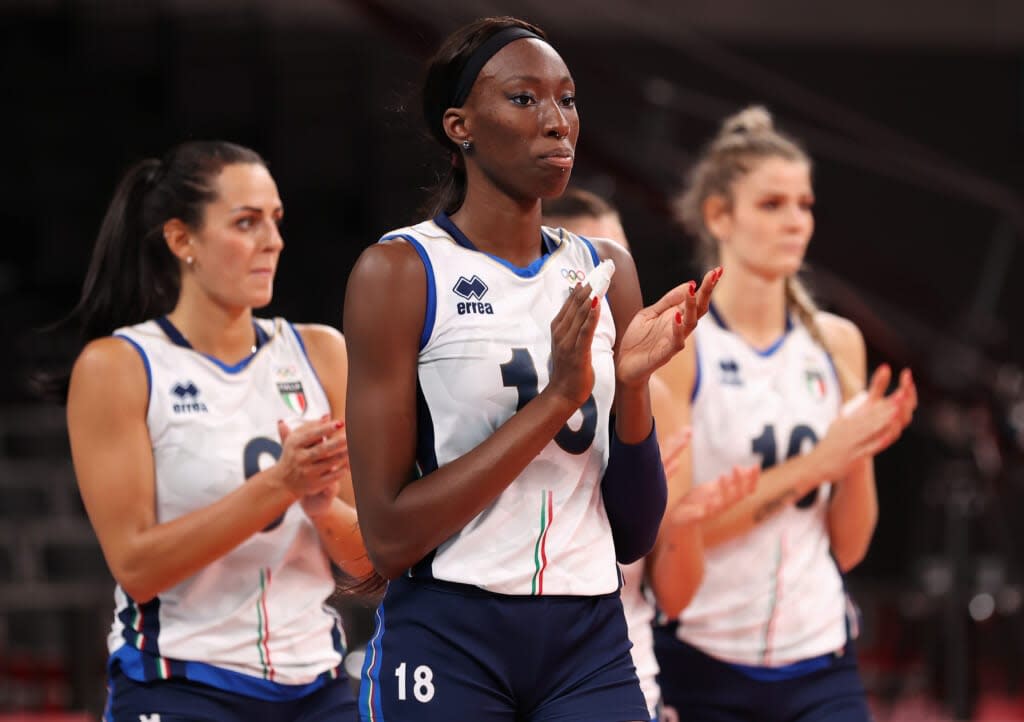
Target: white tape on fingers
x: 601, y: 278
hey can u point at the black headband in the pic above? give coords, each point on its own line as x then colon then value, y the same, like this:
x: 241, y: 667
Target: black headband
x: 476, y: 61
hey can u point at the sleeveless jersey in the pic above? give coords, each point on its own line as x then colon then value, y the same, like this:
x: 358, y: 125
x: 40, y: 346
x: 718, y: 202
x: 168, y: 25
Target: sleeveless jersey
x: 254, y: 621
x: 774, y: 595
x: 484, y: 353
x: 640, y: 612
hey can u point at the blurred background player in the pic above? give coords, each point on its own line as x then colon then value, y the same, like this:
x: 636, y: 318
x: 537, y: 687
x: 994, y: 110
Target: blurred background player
x: 771, y: 379
x: 188, y: 473
x: 591, y: 216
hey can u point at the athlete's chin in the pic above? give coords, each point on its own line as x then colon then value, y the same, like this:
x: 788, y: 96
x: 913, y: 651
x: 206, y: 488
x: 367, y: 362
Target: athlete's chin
x: 261, y: 298
x: 553, y: 185
x: 791, y: 266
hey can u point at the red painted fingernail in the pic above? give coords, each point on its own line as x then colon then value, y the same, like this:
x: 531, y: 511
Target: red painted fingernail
x: 679, y: 318
x: 339, y: 424
x: 593, y: 304
x: 718, y: 272
x: 693, y: 288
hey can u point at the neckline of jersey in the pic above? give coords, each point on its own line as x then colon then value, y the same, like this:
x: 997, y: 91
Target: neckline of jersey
x: 548, y: 247
x: 768, y: 350
x: 178, y: 339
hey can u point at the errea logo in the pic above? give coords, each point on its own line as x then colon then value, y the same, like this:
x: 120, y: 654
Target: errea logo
x: 186, y: 399
x: 470, y: 289
x: 730, y: 372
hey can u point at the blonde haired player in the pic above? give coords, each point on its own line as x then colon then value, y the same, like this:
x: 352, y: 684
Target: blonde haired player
x: 765, y: 636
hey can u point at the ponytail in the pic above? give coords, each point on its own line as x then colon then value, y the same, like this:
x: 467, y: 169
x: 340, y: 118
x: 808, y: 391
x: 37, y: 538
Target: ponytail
x: 800, y: 301
x: 442, y: 90
x: 132, y: 275
x: 746, y: 137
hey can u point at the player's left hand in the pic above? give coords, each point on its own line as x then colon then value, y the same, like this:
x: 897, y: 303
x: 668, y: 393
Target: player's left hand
x: 705, y: 501
x: 659, y: 331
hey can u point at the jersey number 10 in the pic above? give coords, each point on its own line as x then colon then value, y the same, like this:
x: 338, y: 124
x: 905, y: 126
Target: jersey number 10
x: 764, y: 445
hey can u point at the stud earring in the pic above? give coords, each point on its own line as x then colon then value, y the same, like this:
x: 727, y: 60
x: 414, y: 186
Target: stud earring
x: 189, y: 260
x: 467, y: 145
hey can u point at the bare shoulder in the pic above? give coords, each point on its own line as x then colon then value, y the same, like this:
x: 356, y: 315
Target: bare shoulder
x: 394, y: 260
x: 319, y: 337
x: 607, y: 248
x: 109, y: 370
x: 105, y: 357
x: 676, y: 378
x: 841, y: 335
x: 388, y: 282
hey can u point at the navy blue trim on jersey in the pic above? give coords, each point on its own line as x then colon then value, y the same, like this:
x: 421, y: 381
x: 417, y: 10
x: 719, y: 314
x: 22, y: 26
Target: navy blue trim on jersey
x: 786, y: 671
x: 835, y: 373
x: 593, y: 251
x: 336, y: 638
x: 431, y: 311
x: 144, y: 636
x: 369, y: 690
x: 764, y: 352
x: 184, y: 699
x: 426, y: 463
x: 302, y: 345
x: 145, y: 362
x: 550, y: 243
x: 447, y: 225
x: 696, y: 378
x: 261, y: 335
x: 178, y: 339
x: 136, y: 666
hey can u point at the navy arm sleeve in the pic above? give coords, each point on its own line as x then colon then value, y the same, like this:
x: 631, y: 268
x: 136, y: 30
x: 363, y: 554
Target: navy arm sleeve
x: 635, y: 493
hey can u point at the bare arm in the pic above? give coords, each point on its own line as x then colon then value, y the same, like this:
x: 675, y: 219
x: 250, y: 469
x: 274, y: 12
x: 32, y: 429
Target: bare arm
x: 677, y: 562
x: 336, y: 522
x: 404, y: 518
x: 853, y: 512
x: 851, y: 439
x: 113, y: 460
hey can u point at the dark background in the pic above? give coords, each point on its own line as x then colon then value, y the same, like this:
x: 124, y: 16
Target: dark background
x: 913, y: 111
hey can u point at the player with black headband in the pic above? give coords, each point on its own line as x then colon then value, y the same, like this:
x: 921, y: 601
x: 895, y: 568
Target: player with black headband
x: 495, y: 487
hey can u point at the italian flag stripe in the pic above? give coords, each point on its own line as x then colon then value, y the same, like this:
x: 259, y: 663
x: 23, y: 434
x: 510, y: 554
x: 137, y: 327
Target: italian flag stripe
x: 140, y: 638
x: 263, y: 624
x: 540, y: 558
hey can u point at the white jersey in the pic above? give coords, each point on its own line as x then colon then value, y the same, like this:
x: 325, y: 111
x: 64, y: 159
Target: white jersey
x: 639, y: 611
x: 774, y: 595
x: 484, y: 353
x: 255, y: 620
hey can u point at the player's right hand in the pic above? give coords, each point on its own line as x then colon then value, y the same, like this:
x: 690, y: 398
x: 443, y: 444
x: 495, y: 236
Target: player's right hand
x: 867, y: 424
x: 314, y: 456
x: 572, y: 333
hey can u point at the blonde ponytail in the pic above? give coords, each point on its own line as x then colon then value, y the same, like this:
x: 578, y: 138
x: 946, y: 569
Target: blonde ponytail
x: 800, y: 301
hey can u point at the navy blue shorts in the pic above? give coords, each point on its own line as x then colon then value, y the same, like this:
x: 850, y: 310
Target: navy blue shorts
x: 178, y: 700
x: 703, y: 688
x: 443, y: 652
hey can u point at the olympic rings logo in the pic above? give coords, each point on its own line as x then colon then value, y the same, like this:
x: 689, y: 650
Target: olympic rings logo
x: 573, y: 276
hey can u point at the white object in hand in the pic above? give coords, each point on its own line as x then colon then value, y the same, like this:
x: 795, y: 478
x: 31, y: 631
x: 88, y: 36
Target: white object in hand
x: 601, y: 277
